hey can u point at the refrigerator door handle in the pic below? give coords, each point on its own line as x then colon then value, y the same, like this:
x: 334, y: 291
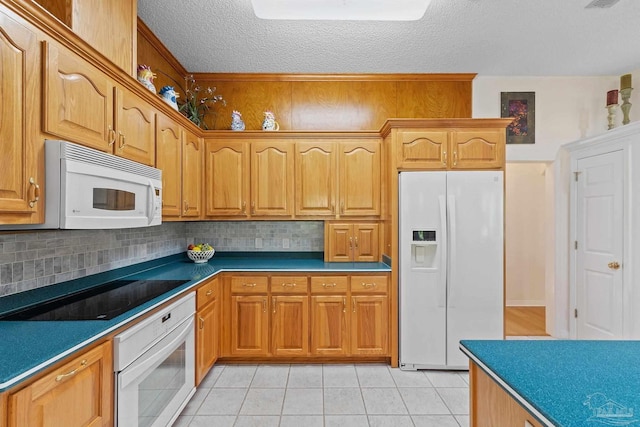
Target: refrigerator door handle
x: 442, y: 289
x: 451, y: 205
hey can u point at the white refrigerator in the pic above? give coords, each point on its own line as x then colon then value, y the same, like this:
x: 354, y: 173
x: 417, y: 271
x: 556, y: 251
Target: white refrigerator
x: 451, y: 274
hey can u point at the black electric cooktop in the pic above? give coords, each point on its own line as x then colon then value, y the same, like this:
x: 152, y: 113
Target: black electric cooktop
x: 103, y: 302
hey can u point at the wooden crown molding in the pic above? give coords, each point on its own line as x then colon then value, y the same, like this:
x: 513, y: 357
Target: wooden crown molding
x: 279, y: 77
x: 145, y: 31
x: 439, y: 123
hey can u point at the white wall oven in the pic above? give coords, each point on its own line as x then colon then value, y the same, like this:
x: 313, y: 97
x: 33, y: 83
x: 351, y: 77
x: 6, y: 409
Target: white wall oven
x: 154, y: 363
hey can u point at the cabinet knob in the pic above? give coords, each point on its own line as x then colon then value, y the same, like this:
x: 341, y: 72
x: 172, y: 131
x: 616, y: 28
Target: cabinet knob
x: 249, y: 285
x: 289, y: 285
x: 253, y: 208
x: 209, y: 292
x: 455, y: 157
x: 36, y: 192
x: 444, y: 158
x: 244, y: 207
x: 122, y: 140
x: 344, y: 304
x: 368, y: 285
x: 328, y: 285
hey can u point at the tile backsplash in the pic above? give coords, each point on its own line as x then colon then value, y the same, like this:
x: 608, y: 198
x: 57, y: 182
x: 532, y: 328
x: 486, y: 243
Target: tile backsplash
x: 30, y: 260
x: 34, y: 259
x: 230, y: 236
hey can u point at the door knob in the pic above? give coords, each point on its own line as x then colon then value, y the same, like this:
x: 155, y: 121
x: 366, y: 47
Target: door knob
x: 613, y: 265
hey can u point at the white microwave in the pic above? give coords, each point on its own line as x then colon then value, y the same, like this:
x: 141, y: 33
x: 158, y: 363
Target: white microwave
x: 89, y: 189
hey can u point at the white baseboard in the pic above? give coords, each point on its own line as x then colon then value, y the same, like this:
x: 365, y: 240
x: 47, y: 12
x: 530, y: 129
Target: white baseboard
x: 525, y: 303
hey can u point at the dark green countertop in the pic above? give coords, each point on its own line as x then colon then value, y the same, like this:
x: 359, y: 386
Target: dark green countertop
x: 566, y: 383
x: 27, y: 347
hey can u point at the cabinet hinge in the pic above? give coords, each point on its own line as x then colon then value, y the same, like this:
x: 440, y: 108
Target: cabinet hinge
x: 575, y: 245
x: 576, y: 175
x: 575, y: 313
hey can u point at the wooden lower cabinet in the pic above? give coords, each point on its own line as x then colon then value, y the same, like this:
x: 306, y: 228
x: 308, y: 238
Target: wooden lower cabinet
x: 491, y: 406
x: 79, y: 393
x: 249, y: 325
x: 207, y: 328
x: 329, y: 335
x: 369, y: 324
x: 298, y: 316
x: 290, y: 325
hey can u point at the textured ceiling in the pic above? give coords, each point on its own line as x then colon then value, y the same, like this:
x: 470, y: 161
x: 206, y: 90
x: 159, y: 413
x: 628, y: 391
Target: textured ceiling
x: 488, y: 37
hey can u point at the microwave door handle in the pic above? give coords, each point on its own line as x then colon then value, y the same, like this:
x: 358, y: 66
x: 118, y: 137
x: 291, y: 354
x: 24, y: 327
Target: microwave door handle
x: 152, y: 202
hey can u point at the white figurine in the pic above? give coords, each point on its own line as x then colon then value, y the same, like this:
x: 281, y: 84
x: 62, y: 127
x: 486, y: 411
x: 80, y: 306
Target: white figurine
x: 169, y: 95
x: 269, y: 122
x: 236, y: 121
x: 145, y: 76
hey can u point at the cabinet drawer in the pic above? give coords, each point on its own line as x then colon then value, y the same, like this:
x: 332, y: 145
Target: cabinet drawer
x: 289, y: 284
x: 368, y: 284
x: 206, y: 293
x: 329, y: 284
x: 249, y: 284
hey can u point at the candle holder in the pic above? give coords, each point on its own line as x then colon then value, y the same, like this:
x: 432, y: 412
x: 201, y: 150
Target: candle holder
x: 611, y: 117
x: 625, y: 94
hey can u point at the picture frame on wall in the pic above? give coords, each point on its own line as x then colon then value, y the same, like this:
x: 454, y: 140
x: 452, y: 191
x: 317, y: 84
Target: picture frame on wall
x: 522, y: 107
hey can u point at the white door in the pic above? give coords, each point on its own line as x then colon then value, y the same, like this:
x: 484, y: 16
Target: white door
x: 423, y: 270
x: 475, y: 209
x: 599, y: 228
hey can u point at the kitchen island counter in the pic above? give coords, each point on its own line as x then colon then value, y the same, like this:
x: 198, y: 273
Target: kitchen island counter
x: 563, y: 383
x: 27, y: 347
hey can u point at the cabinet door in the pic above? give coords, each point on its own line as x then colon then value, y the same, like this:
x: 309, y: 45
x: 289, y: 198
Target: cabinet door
x: 478, y: 149
x: 365, y: 242
x: 22, y: 152
x: 78, y: 102
x: 423, y: 149
x: 80, y: 393
x: 110, y: 27
x: 359, y: 171
x: 207, y: 338
x: 226, y: 178
x: 192, y: 155
x: 290, y: 326
x: 339, y: 242
x: 369, y: 324
x: 315, y: 178
x: 135, y: 128
x: 272, y: 175
x: 329, y: 334
x: 169, y: 160
x: 249, y: 325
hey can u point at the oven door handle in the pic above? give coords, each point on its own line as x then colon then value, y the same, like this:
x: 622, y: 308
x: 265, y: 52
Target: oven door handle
x: 155, y: 355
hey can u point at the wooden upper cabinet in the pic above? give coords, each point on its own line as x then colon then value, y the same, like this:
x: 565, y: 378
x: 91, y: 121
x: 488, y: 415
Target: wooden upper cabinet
x: 109, y: 26
x: 359, y: 178
x: 227, y: 178
x: 169, y: 160
x: 21, y: 151
x: 316, y: 180
x: 192, y: 157
x: 348, y: 242
x: 135, y: 128
x: 79, y: 393
x: 478, y: 149
x: 272, y: 176
x: 422, y: 149
x: 78, y: 100
x: 366, y: 243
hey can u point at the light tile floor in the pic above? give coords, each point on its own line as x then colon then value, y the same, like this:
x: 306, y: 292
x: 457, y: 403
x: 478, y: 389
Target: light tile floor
x: 328, y: 395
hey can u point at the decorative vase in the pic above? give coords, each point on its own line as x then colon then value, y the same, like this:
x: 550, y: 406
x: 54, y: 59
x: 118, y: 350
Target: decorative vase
x: 169, y: 95
x: 236, y: 121
x: 269, y: 122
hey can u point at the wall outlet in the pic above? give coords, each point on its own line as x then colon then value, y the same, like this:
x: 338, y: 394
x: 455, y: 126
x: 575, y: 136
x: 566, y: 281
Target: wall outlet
x: 258, y: 242
x: 285, y: 243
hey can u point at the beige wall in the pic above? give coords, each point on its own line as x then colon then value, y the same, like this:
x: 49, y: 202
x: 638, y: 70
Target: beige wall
x: 525, y: 233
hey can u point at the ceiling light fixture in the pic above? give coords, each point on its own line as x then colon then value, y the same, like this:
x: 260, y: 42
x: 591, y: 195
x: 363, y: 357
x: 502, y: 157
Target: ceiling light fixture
x: 341, y: 10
